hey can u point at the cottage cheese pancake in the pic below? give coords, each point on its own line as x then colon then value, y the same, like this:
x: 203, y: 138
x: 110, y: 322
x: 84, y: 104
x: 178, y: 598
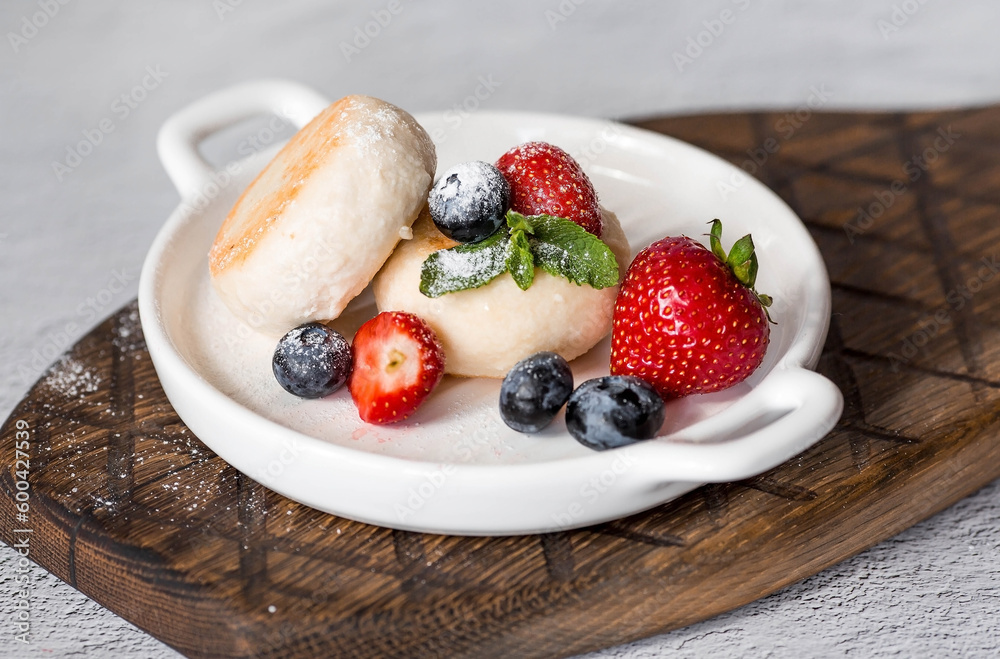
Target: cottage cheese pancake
x: 315, y: 226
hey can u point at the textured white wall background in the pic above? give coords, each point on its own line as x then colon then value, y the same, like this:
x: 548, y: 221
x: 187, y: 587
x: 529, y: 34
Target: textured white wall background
x: 932, y: 591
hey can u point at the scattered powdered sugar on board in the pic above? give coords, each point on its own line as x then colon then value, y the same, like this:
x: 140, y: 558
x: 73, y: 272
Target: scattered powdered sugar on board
x: 128, y: 336
x: 71, y: 378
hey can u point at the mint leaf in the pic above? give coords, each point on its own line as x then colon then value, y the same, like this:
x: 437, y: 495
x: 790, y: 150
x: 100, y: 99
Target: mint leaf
x: 464, y: 266
x: 518, y: 222
x: 565, y: 249
x: 520, y: 260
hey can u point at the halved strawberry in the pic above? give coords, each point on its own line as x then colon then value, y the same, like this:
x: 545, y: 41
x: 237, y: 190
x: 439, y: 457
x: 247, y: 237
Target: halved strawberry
x: 397, y: 363
x: 544, y: 179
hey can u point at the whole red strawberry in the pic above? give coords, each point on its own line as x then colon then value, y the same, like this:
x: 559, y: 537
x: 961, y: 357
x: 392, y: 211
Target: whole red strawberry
x: 545, y: 180
x: 687, y: 320
x: 397, y: 363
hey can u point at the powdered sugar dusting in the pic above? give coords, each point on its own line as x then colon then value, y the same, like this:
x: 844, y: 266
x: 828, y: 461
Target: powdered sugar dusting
x: 468, y: 193
x: 466, y: 184
x: 368, y: 123
x: 454, y: 265
x: 463, y: 267
x: 127, y: 335
x: 71, y: 378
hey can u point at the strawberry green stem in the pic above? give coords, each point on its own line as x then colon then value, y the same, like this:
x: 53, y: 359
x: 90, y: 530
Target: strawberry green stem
x: 741, y: 260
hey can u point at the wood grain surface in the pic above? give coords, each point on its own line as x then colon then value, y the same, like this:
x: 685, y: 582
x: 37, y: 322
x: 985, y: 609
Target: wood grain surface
x: 130, y: 508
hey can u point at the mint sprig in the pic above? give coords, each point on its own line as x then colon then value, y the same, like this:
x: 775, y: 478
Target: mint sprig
x: 558, y: 246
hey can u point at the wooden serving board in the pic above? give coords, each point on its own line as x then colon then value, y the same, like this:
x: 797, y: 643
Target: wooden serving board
x: 130, y: 508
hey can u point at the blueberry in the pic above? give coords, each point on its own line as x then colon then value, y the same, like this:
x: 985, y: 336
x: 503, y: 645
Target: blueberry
x: 470, y: 201
x: 614, y: 411
x: 534, y: 391
x: 312, y: 361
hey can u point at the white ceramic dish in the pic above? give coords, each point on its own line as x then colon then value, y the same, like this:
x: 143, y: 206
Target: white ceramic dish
x: 454, y: 467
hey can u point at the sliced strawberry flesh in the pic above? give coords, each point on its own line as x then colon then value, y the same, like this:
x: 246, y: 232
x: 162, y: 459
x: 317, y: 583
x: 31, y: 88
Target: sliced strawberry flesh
x: 397, y: 363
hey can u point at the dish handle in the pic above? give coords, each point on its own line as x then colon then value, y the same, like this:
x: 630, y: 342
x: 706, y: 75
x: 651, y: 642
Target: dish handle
x: 177, y: 142
x: 789, y: 411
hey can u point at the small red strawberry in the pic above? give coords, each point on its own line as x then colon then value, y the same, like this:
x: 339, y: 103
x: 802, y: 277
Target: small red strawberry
x: 687, y: 319
x: 545, y: 180
x: 397, y: 363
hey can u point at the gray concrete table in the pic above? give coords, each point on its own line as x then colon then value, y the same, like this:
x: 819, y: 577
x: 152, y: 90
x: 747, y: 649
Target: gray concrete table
x: 84, y: 86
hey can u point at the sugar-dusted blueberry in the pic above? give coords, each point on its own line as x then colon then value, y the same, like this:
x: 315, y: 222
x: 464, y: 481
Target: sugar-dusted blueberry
x: 312, y: 361
x: 534, y: 391
x: 470, y: 201
x: 614, y: 411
